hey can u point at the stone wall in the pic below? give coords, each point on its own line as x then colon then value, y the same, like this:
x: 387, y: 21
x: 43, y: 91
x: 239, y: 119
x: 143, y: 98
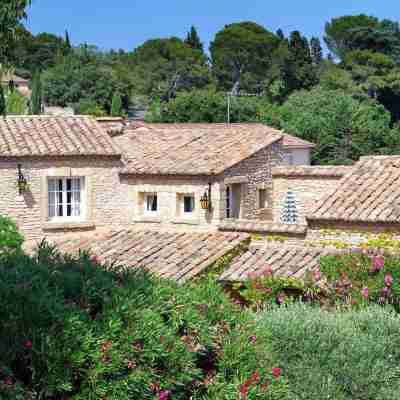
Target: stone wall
x: 106, y: 197
x: 308, y: 185
x: 254, y: 174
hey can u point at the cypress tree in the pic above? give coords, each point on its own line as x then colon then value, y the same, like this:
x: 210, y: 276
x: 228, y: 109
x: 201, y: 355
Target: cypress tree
x: 193, y: 40
x: 67, y: 41
x: 116, y: 106
x: 3, y: 107
x: 316, y: 51
x: 36, y: 97
x: 280, y: 34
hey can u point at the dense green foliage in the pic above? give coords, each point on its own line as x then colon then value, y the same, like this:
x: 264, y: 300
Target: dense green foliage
x: 16, y: 103
x: 71, y: 329
x: 10, y: 239
x: 3, y: 107
x: 116, y: 106
x: 348, y: 355
x: 36, y: 96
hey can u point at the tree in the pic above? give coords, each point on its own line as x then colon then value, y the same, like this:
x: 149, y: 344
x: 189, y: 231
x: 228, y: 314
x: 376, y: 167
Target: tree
x: 11, y: 14
x: 2, y: 102
x: 298, y: 69
x: 316, y: 51
x: 67, y: 41
x: 342, y: 127
x: 193, y: 40
x: 241, y: 54
x: 342, y: 34
x: 16, y: 103
x: 280, y: 34
x: 160, y: 68
x: 36, y: 97
x: 116, y: 106
x: 90, y: 107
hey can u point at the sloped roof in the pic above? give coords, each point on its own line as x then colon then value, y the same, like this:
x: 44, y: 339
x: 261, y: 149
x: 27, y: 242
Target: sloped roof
x: 191, y: 149
x: 300, y: 171
x: 370, y: 193
x: 40, y: 136
x: 283, y: 260
x: 241, y: 225
x: 174, y: 255
x: 296, y: 143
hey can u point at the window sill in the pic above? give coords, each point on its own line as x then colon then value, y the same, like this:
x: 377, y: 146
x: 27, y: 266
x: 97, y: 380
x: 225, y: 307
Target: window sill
x: 185, y: 221
x: 49, y: 226
x: 147, y: 218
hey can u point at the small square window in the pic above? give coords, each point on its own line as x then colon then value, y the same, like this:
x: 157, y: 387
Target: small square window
x: 262, y: 198
x: 151, y: 203
x: 188, y: 204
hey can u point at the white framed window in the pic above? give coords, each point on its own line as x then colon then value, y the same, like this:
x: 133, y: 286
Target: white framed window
x: 66, y: 199
x: 150, y: 203
x: 188, y: 205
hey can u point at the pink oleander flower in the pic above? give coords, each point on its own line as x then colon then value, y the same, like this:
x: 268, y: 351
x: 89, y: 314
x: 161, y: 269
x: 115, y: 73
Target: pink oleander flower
x: 255, y: 376
x: 253, y: 339
x: 280, y: 298
x: 388, y: 280
x: 28, y: 344
x: 164, y: 395
x: 365, y: 293
x: 268, y: 271
x: 378, y: 262
x: 8, y: 381
x: 317, y: 274
x: 276, y: 372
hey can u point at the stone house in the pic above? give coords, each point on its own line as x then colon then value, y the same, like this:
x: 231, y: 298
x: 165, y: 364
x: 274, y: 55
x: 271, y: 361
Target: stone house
x: 62, y: 174
x: 21, y: 84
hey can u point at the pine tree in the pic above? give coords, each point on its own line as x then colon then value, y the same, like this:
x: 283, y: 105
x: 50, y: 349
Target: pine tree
x: 36, y: 97
x: 3, y: 107
x: 316, y: 51
x: 67, y: 41
x: 289, y: 214
x: 280, y: 34
x: 116, y: 106
x: 193, y: 40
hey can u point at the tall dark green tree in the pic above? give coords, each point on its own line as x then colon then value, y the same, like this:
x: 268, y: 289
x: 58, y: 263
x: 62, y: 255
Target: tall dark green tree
x: 67, y: 40
x: 299, y: 71
x: 280, y: 34
x: 3, y: 106
x: 193, y: 40
x: 316, y: 51
x: 36, y: 97
x: 116, y: 106
x: 241, y: 54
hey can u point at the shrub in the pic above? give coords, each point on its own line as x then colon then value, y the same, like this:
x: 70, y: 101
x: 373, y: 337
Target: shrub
x: 342, y: 355
x: 10, y: 238
x: 72, y: 329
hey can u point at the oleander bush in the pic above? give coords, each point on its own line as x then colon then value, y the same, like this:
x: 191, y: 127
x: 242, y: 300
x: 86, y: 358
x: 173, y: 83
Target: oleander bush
x: 343, y: 355
x: 71, y: 329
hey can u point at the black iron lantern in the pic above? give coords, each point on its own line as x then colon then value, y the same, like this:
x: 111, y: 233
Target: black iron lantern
x: 21, y: 181
x: 205, y: 200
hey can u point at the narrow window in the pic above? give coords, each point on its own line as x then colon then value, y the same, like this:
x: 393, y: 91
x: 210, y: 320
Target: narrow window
x: 65, y: 198
x: 151, y: 203
x: 228, y: 202
x: 262, y: 198
x: 188, y: 204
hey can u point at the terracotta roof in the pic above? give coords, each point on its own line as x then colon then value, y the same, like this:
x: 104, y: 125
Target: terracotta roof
x: 312, y: 171
x: 175, y: 255
x: 296, y: 143
x: 192, y: 149
x: 370, y: 193
x: 257, y: 226
x: 24, y: 136
x: 283, y: 260
x: 11, y: 77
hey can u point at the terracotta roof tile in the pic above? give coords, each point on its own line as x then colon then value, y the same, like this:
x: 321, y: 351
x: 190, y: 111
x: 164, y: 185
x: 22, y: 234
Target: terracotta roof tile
x: 257, y: 226
x: 175, y: 255
x: 40, y: 136
x: 284, y: 260
x: 191, y: 149
x: 370, y: 193
x: 296, y: 143
x: 312, y: 171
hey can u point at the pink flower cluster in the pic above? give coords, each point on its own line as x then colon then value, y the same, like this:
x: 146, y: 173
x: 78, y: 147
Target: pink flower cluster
x: 256, y: 380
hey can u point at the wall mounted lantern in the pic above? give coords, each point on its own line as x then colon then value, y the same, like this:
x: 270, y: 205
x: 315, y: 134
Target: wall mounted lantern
x: 21, y: 181
x: 205, y: 200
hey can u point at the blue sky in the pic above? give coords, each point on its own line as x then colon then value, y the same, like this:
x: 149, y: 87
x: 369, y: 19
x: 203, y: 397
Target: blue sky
x: 128, y: 23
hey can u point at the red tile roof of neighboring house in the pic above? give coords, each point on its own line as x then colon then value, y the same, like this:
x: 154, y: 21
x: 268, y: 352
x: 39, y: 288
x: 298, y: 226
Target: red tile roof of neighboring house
x: 40, y: 136
x: 257, y: 226
x: 175, y: 255
x: 370, y: 193
x: 311, y: 171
